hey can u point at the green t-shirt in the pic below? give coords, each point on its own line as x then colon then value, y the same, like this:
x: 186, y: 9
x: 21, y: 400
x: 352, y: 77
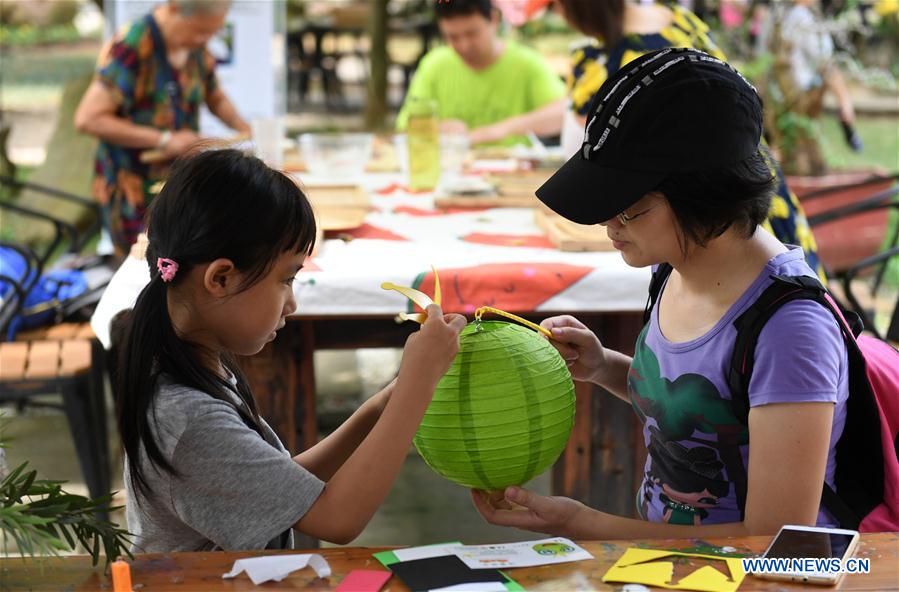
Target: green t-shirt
x: 517, y: 83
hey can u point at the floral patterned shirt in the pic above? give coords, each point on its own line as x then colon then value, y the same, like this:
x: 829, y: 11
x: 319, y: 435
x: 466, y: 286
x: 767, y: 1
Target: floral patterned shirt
x: 149, y: 92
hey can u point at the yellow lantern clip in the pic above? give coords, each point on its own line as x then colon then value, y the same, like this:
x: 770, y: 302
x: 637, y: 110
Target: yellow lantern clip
x: 423, y: 300
x: 418, y: 297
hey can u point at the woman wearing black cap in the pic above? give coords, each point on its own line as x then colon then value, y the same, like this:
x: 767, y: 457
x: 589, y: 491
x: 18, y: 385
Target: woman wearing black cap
x: 620, y: 31
x: 672, y: 167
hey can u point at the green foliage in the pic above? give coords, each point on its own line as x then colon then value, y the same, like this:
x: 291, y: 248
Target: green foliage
x: 62, y: 12
x: 878, y: 132
x: 549, y: 24
x: 757, y: 68
x: 43, y: 519
x: 28, y: 36
x: 794, y: 126
x: 38, y: 13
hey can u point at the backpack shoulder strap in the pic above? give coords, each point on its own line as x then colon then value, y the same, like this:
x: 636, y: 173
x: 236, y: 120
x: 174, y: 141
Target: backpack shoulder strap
x: 859, y: 485
x: 655, y: 288
x: 749, y: 326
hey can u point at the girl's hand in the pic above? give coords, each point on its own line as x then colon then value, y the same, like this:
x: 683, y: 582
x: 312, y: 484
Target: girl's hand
x: 527, y: 510
x: 578, y: 345
x: 430, y: 351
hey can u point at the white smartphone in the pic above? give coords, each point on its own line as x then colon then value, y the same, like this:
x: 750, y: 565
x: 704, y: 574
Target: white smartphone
x: 812, y: 548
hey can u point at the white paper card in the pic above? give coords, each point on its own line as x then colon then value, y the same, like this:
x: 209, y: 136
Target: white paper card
x: 278, y: 567
x: 473, y: 587
x: 427, y: 551
x: 523, y: 554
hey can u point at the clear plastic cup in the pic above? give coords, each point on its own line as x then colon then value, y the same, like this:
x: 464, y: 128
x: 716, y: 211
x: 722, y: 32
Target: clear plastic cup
x: 268, y: 135
x: 453, y: 153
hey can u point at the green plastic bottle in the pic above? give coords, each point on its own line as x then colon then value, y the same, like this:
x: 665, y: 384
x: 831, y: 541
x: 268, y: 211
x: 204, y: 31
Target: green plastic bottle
x: 423, y: 145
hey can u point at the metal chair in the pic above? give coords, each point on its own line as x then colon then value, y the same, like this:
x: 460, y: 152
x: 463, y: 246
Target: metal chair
x: 863, y: 248
x: 880, y: 260
x: 848, y: 224
x: 64, y: 358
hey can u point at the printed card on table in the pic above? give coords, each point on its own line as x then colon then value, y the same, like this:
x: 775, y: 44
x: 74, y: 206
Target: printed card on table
x: 523, y: 554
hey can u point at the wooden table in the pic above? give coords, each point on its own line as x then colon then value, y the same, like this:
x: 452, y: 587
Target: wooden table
x: 179, y: 572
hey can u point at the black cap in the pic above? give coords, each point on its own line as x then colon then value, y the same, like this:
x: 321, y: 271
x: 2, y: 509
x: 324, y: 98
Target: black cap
x: 675, y: 110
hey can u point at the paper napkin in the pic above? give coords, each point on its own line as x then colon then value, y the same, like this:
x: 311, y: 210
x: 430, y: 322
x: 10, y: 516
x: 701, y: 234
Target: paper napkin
x: 278, y: 567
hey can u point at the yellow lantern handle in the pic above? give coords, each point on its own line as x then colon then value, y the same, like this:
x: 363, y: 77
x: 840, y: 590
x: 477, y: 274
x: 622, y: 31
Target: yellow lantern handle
x: 480, y: 312
x: 418, y: 297
x: 423, y: 301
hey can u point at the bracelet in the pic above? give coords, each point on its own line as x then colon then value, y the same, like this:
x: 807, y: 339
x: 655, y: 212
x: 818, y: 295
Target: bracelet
x: 164, y: 139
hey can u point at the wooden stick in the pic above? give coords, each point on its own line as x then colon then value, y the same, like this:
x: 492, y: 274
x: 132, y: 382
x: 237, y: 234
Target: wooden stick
x: 156, y: 155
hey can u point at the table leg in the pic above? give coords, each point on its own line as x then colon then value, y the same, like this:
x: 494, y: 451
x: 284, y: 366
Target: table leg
x: 571, y: 473
x: 307, y: 417
x: 282, y: 378
x: 603, y: 462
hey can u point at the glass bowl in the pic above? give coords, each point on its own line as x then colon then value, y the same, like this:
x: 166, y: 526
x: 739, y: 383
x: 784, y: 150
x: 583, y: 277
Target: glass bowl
x: 340, y: 156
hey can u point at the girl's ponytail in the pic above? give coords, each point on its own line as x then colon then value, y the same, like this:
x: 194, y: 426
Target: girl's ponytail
x: 147, y: 330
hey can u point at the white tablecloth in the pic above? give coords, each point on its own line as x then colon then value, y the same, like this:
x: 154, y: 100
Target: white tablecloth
x: 404, y: 235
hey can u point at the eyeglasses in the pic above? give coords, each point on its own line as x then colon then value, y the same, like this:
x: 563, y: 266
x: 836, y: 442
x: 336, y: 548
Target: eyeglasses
x: 624, y: 219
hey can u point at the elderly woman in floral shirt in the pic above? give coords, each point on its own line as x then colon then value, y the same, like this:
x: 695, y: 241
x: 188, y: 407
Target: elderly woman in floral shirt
x: 151, y: 80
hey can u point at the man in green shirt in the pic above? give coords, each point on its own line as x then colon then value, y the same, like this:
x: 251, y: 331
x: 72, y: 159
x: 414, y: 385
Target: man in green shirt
x: 494, y: 89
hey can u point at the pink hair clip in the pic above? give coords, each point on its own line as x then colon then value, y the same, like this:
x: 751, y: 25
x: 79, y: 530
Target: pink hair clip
x: 167, y: 268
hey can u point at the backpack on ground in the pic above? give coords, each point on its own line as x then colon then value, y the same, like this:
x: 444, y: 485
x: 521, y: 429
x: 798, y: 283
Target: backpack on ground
x: 867, y: 453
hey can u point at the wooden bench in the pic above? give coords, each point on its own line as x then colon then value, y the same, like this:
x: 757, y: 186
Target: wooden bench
x: 64, y: 358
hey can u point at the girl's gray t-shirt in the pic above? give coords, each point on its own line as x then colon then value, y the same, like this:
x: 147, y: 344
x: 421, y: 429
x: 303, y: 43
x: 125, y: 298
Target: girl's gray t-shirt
x: 235, y: 490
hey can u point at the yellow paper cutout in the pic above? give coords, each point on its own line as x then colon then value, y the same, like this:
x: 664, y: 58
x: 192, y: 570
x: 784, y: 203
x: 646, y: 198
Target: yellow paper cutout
x: 437, y: 294
x: 705, y: 578
x: 418, y: 297
x: 657, y: 571
x: 418, y: 317
x: 639, y: 566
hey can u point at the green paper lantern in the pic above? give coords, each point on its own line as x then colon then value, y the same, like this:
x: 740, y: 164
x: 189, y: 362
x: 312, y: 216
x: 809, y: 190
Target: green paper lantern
x: 502, y: 413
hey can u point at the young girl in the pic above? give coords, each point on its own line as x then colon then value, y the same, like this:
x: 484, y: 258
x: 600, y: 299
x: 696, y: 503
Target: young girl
x: 203, y: 470
x: 671, y: 166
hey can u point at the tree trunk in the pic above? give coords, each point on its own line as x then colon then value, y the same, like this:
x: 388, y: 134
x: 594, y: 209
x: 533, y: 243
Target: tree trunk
x: 376, y: 105
x: 7, y: 167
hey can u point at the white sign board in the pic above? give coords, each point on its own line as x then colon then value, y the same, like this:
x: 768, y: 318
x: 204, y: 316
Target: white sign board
x: 250, y: 49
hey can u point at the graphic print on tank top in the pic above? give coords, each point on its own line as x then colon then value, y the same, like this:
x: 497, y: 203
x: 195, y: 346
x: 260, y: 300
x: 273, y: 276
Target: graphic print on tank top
x: 694, y: 471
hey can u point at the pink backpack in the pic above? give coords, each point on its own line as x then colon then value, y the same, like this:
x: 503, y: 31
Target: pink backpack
x: 882, y: 368
x: 867, y: 453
